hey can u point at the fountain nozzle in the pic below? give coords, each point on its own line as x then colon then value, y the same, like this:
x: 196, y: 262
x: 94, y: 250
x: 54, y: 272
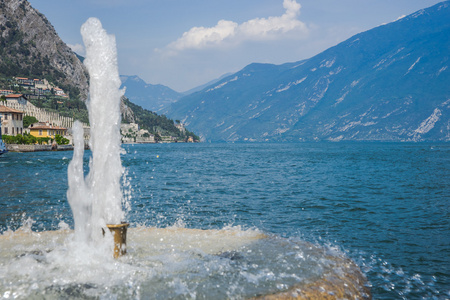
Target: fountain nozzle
x: 119, y: 232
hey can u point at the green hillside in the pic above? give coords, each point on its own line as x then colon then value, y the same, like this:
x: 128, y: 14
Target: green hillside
x: 157, y: 124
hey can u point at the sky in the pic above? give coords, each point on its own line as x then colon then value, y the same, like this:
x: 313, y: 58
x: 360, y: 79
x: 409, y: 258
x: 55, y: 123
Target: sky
x: 184, y: 44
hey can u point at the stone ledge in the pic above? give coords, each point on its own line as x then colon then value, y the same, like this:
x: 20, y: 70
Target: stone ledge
x: 36, y: 148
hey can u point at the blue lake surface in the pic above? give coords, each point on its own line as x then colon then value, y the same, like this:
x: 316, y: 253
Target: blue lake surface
x: 386, y: 205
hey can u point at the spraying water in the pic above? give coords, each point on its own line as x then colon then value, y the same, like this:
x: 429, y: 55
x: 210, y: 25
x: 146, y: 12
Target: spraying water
x: 163, y: 263
x: 97, y: 199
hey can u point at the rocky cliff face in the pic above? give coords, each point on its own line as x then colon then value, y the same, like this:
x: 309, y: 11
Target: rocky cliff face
x: 127, y: 113
x: 30, y: 46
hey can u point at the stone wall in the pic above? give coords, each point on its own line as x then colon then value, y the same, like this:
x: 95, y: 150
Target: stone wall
x: 41, y: 114
x: 35, y: 148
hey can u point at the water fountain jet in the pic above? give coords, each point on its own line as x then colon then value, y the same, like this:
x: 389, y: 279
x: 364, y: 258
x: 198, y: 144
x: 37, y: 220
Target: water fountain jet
x: 162, y: 263
x: 96, y: 200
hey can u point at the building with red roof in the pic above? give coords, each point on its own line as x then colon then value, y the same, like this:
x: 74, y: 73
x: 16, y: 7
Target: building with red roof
x: 12, y: 120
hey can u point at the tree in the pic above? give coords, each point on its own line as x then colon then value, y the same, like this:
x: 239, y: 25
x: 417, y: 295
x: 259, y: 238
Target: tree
x: 43, y: 140
x: 25, y: 139
x: 60, y: 140
x: 28, y: 120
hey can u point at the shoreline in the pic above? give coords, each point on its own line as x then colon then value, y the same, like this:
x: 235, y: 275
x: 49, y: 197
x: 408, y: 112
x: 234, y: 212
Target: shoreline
x: 37, y: 148
x: 19, y: 148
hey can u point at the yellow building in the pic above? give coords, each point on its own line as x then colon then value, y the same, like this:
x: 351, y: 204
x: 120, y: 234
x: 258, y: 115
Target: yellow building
x: 45, y: 129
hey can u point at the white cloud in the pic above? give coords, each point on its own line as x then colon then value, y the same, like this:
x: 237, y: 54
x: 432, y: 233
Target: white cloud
x: 78, y: 48
x: 200, y: 37
x: 262, y: 28
x: 231, y: 32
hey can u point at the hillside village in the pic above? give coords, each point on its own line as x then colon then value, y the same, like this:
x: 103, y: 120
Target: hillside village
x: 29, y: 107
x: 44, y: 83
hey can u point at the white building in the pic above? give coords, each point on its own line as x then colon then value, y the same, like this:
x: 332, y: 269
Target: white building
x: 6, y: 92
x: 132, y: 134
x: 19, y: 99
x: 12, y: 120
x: 60, y: 92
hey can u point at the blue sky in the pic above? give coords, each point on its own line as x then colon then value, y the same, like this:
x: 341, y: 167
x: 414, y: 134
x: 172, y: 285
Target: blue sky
x: 183, y: 44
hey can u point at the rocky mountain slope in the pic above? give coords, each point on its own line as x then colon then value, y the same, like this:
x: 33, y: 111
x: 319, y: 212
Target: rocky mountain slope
x: 30, y: 47
x: 389, y: 83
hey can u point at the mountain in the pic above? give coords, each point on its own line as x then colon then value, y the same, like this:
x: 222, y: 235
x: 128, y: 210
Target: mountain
x: 201, y: 87
x: 390, y: 83
x: 30, y: 47
x: 155, y: 97
x: 148, y: 96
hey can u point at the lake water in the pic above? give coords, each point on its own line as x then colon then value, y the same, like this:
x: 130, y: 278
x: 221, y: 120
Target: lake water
x: 385, y: 205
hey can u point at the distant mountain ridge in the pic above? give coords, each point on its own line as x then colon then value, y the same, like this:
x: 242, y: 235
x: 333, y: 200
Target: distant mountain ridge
x: 156, y: 97
x: 201, y: 87
x: 149, y: 96
x: 389, y: 83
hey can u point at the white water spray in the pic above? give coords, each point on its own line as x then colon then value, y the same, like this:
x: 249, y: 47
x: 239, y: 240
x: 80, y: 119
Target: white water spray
x: 96, y: 200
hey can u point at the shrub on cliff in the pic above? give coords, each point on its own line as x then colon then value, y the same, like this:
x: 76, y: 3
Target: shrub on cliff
x: 60, y: 140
